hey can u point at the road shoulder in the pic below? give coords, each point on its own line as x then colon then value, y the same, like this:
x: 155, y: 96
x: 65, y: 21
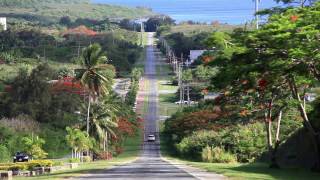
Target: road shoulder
x: 196, y: 172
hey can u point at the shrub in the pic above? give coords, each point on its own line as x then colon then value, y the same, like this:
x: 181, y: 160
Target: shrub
x: 217, y: 155
x: 26, y: 165
x: 247, y: 141
x: 4, y: 154
x: 207, y: 154
x: 40, y: 163
x: 14, y: 167
x: 119, y: 150
x: 18, y: 167
x: 192, y: 146
x: 105, y: 155
x: 87, y: 159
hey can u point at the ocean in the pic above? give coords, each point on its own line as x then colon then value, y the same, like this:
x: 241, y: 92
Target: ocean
x: 205, y: 11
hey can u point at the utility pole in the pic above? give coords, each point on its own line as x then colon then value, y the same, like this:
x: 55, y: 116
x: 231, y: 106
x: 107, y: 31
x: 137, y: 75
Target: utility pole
x: 79, y: 50
x: 256, y: 10
x: 302, y: 2
x: 188, y: 86
x: 142, y: 30
x: 180, y: 83
x: 44, y: 53
x: 183, y: 85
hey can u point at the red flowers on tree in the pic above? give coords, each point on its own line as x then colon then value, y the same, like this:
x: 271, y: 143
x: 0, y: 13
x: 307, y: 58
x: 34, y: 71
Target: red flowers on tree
x: 262, y: 83
x: 294, y: 18
x: 125, y: 127
x: 207, y: 59
x: 205, y: 91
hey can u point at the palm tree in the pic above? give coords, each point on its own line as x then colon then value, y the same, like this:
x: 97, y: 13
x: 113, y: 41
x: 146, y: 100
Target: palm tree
x: 103, y: 121
x: 95, y: 75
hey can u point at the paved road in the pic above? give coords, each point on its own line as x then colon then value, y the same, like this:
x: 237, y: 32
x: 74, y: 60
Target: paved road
x: 149, y: 166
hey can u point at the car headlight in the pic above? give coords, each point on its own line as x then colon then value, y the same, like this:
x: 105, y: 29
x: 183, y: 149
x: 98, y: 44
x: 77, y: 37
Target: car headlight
x: 14, y: 157
x: 26, y: 157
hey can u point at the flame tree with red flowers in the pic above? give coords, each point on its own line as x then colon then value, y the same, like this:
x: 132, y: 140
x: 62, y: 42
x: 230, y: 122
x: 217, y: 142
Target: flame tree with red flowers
x: 269, y: 71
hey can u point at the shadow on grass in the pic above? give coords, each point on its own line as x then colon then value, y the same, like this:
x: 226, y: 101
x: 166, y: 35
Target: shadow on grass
x: 169, y: 98
x: 258, y: 171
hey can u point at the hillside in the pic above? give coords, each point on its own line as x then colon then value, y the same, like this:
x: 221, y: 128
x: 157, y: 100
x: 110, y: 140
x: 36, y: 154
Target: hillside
x: 52, y: 10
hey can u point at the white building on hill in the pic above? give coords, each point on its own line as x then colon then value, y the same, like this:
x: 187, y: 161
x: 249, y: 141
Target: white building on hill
x: 194, y: 54
x: 3, y: 23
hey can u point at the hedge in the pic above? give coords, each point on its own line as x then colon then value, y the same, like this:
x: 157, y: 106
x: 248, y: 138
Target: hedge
x: 26, y: 165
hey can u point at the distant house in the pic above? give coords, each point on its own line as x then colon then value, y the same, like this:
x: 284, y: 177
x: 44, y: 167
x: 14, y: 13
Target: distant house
x: 3, y: 23
x: 194, y: 55
x: 211, y: 96
x: 310, y: 97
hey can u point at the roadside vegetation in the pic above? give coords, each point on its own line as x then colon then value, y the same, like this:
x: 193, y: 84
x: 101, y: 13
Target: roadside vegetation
x: 56, y: 96
x: 265, y: 113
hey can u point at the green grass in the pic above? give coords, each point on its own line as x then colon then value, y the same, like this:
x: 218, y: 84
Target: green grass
x: 166, y: 86
x: 255, y: 171
x: 167, y: 99
x: 167, y: 107
x: 53, y: 11
x: 190, y: 30
x: 132, y: 146
x: 144, y: 39
x: 140, y: 63
x: 96, y: 166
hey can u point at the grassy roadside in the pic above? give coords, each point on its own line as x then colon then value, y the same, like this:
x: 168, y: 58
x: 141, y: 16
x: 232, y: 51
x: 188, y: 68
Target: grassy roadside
x: 131, y: 151
x: 251, y: 171
x: 144, y: 39
x: 166, y: 90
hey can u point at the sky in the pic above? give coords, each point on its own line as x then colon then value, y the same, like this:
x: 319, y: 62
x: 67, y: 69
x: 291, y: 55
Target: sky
x: 227, y: 11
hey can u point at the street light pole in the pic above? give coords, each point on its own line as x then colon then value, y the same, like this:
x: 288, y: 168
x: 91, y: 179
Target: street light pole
x: 256, y: 11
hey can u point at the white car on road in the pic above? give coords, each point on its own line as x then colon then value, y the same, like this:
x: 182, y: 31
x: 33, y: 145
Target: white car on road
x: 151, y: 138
x: 185, y: 102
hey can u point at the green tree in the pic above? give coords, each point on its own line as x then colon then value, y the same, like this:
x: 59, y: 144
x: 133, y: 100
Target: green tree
x: 96, y: 75
x: 79, y: 141
x: 33, y: 146
x: 270, y: 70
x: 103, y: 121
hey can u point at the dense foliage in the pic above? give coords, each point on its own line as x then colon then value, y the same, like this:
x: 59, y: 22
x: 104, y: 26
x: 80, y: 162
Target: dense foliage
x: 265, y: 78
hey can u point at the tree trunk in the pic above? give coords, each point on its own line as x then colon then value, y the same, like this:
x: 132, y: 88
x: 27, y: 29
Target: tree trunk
x: 274, y: 162
x: 107, y: 145
x: 189, y: 94
x: 88, y: 113
x: 268, y: 121
x: 75, y: 154
x: 306, y: 123
x: 72, y: 154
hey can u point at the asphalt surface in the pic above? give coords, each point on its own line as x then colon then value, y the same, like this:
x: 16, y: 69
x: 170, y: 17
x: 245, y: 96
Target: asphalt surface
x: 149, y: 165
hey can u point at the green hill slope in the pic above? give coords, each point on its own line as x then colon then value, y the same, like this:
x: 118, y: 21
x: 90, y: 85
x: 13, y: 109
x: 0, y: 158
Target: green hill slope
x: 53, y: 10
